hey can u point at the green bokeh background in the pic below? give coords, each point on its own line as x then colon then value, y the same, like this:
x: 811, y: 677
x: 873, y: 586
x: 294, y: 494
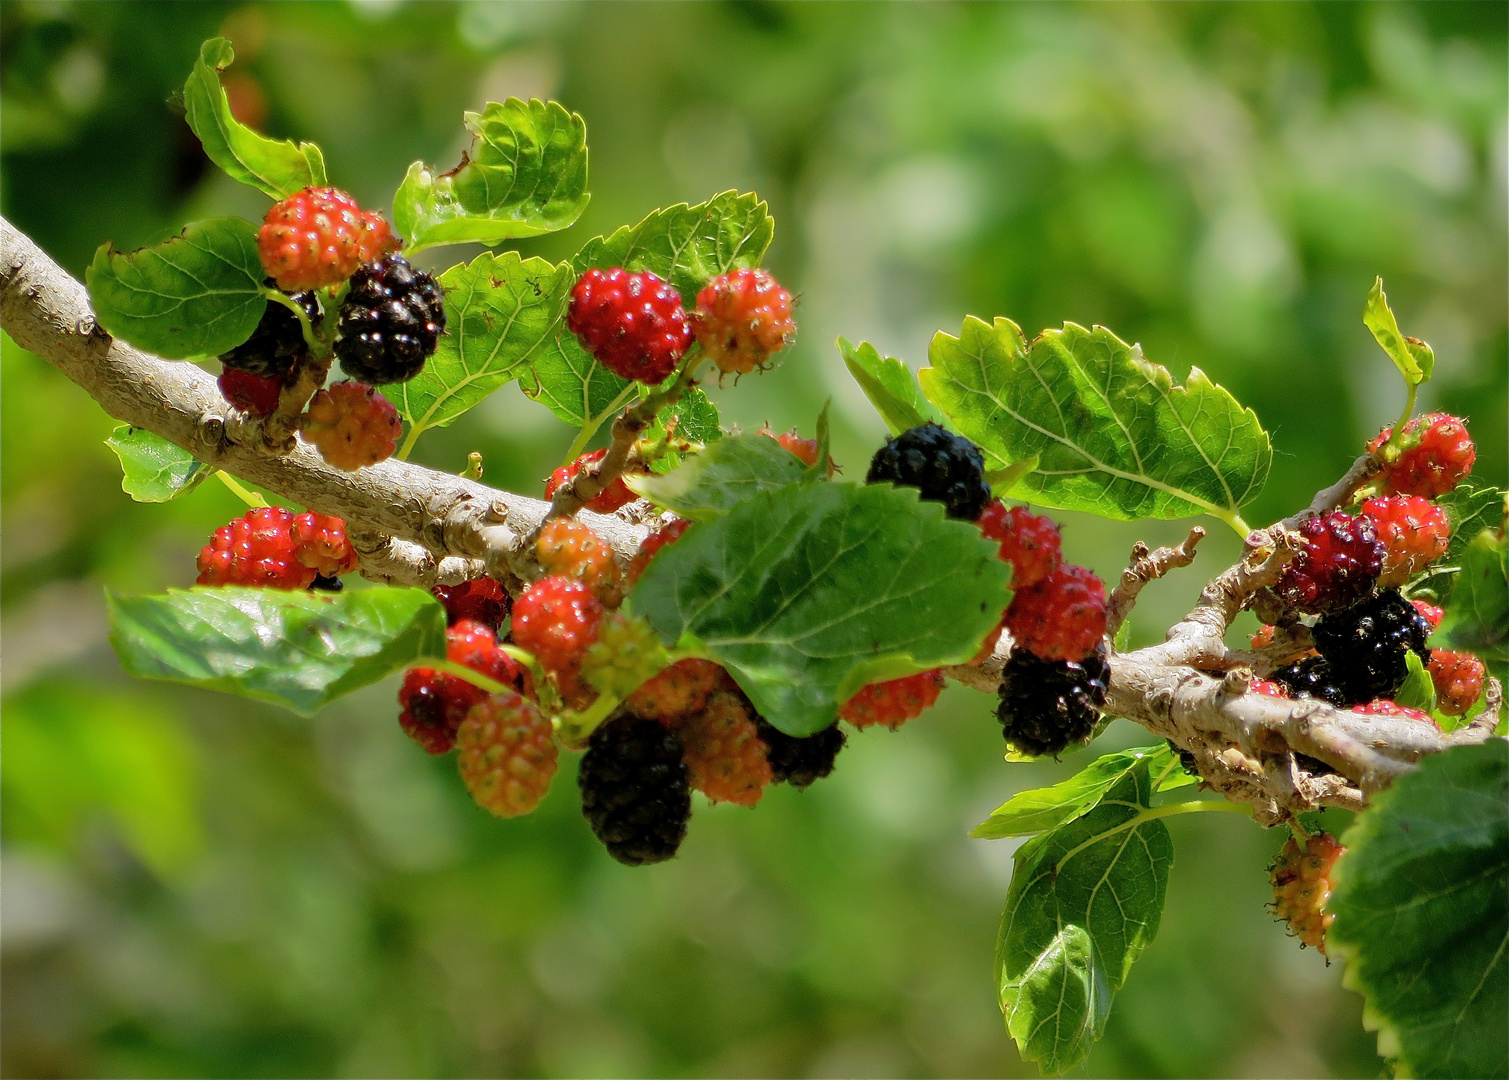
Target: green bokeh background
x: 198, y: 886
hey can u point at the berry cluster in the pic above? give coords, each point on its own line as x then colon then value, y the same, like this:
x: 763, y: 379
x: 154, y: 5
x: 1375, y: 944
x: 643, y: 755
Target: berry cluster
x: 272, y: 547
x: 1433, y: 455
x: 1302, y: 881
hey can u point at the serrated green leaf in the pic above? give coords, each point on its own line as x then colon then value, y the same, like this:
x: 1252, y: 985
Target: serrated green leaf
x: 735, y: 468
x: 275, y: 167
x: 500, y: 312
x: 1041, y: 809
x: 696, y: 420
x: 1418, y: 691
x: 1114, y: 434
x: 1085, y: 900
x: 300, y: 650
x: 1470, y: 510
x: 890, y: 385
x: 1422, y: 914
x: 153, y: 469
x: 564, y: 378
x: 687, y: 245
x: 809, y: 592
x: 525, y: 174
x: 1411, y: 356
x: 1477, y: 614
x: 196, y: 294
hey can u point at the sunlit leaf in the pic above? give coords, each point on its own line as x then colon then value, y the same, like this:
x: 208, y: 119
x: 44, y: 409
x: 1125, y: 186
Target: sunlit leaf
x: 890, y: 385
x: 696, y: 421
x: 1422, y: 914
x: 1041, y: 809
x: 1470, y: 511
x: 1419, y: 690
x: 713, y: 482
x: 563, y: 377
x: 1411, y: 356
x: 153, y: 469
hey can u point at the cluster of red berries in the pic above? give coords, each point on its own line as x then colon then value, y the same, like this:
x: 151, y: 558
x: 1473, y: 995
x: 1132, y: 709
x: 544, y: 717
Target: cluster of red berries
x: 272, y: 547
x: 635, y: 326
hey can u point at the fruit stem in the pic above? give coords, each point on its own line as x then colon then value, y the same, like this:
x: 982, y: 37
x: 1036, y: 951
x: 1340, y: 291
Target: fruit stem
x: 1409, y: 410
x: 311, y: 336
x: 251, y: 498
x: 574, y: 729
x: 476, y: 678
x: 542, y: 686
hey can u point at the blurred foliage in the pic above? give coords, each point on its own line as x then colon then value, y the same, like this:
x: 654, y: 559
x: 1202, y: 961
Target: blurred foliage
x: 202, y: 886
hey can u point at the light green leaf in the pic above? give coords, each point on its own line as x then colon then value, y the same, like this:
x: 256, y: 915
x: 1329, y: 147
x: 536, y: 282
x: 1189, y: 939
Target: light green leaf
x: 1422, y: 914
x: 1418, y: 691
x: 1085, y: 900
x: 196, y: 294
x: 1477, y: 615
x: 275, y: 167
x: 300, y: 650
x: 809, y: 592
x: 1411, y: 356
x: 711, y: 483
x: 1041, y: 809
x: 1115, y: 436
x: 153, y: 469
x: 564, y: 378
x: 500, y: 312
x: 526, y: 174
x: 890, y: 385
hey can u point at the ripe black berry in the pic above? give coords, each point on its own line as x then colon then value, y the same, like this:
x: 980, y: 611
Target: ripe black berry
x: 390, y: 322
x: 278, y: 341
x: 799, y: 762
x: 1313, y: 676
x: 945, y: 467
x: 635, y: 791
x: 1049, y: 705
x: 1186, y: 759
x: 1366, y: 644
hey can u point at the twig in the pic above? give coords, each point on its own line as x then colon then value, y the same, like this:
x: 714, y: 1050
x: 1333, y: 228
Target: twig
x: 1147, y: 566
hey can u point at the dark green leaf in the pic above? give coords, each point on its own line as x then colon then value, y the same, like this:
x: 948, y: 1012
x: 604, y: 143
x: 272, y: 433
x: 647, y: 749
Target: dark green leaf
x: 197, y: 294
x: 890, y: 385
x: 1411, y: 356
x: 153, y: 469
x: 1041, y: 809
x: 809, y: 592
x: 1422, y: 914
x: 501, y: 311
x: 1115, y: 436
x: 1085, y: 900
x: 711, y: 483
x: 275, y: 167
x: 301, y: 650
x: 525, y: 174
x: 1477, y: 615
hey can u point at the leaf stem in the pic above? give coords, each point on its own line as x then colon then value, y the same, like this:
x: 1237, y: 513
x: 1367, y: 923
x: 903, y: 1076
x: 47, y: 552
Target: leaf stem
x: 251, y: 498
x: 1234, y: 519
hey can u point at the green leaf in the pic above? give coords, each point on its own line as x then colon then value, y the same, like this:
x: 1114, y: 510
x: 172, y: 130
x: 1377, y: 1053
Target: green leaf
x: 1085, y: 900
x: 275, y: 167
x: 564, y: 378
x: 500, y: 312
x: 196, y: 294
x: 153, y: 469
x: 300, y: 650
x: 1115, y: 435
x: 1477, y: 615
x: 1411, y: 356
x: 820, y: 469
x: 696, y: 420
x: 1470, y: 510
x: 890, y: 385
x: 525, y: 174
x: 809, y: 592
x: 688, y: 245
x: 1422, y: 914
x: 1041, y: 809
x: 735, y: 468
x: 1419, y: 690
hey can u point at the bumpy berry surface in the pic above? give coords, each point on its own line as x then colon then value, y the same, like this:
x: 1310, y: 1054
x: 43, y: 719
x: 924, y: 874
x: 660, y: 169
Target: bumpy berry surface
x: 481, y: 599
x: 1312, y: 676
x: 944, y: 467
x: 1046, y: 706
x: 799, y: 762
x: 433, y: 704
x: 1031, y: 544
x: 507, y: 754
x: 1366, y: 644
x: 318, y: 237
x: 278, y: 341
x: 1430, y: 613
x: 255, y: 394
x: 1391, y: 708
x: 1458, y: 678
x: 257, y: 548
x: 1062, y: 617
x: 676, y: 692
x: 741, y: 319
x: 1302, y: 883
x: 635, y: 789
x: 652, y: 545
x: 352, y: 425
x: 390, y: 322
x: 608, y: 500
x: 724, y: 753
x: 1338, y: 564
x: 568, y: 548
x: 320, y: 541
x: 1414, y: 533
x: 625, y: 655
x: 893, y: 702
x: 632, y: 324
x: 557, y: 619
x: 1437, y: 454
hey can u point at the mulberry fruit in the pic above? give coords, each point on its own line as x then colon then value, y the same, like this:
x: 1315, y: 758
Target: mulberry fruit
x: 742, y: 319
x: 1047, y: 706
x: 1313, y: 677
x: 652, y: 544
x: 635, y: 790
x: 432, y: 704
x: 1414, y: 533
x: 1062, y: 617
x: 481, y: 599
x: 278, y: 341
x: 255, y: 394
x: 725, y: 756
x: 1302, y: 882
x: 318, y: 237
x: 632, y: 324
x: 1338, y: 564
x: 320, y: 541
x: 799, y: 761
x: 507, y: 754
x: 1366, y: 644
x: 390, y: 322
x: 944, y: 467
x: 612, y: 497
x: 677, y: 691
x: 893, y: 702
x: 1031, y: 544
x: 567, y: 548
x: 256, y: 549
x: 1458, y: 678
x: 1435, y: 455
x: 352, y: 425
